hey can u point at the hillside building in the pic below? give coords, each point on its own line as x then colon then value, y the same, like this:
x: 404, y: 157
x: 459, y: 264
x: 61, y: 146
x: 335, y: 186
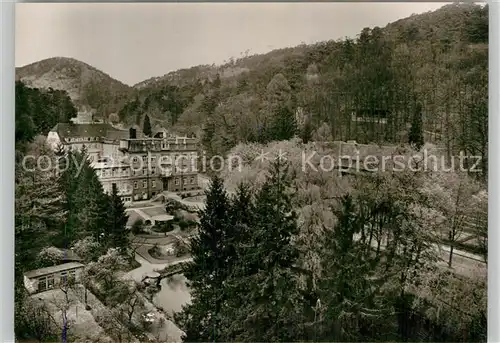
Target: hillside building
x: 370, y: 116
x: 100, y: 140
x: 139, y: 167
x: 158, y: 164
x: 44, y: 279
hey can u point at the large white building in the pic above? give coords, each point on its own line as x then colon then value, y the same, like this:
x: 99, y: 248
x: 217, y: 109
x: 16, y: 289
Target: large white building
x: 165, y: 162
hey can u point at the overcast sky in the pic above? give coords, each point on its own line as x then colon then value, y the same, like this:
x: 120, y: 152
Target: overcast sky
x: 133, y: 42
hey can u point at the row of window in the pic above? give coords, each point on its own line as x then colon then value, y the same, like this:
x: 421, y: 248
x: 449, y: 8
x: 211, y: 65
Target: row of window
x: 125, y: 172
x: 82, y: 139
x: 145, y: 184
x: 145, y: 171
x: 124, y: 188
x: 113, y: 172
x: 48, y: 282
x: 185, y: 180
x: 167, y: 159
x: 139, y: 146
x: 88, y: 146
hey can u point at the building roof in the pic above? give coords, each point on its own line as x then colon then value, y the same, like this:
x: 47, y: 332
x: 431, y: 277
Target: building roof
x: 116, y: 134
x: 70, y: 130
x: 54, y: 269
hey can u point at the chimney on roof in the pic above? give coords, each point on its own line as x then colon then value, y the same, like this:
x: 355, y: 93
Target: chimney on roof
x: 133, y: 133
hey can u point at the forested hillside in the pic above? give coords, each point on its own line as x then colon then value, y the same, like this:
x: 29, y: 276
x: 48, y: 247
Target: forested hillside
x: 87, y: 87
x: 38, y: 110
x: 429, y: 68
x: 428, y: 71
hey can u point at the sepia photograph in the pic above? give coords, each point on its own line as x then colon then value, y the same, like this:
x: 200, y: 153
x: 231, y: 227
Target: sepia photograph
x: 251, y: 172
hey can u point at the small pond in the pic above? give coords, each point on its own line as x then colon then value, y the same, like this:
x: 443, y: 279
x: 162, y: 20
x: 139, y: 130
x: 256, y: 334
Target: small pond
x: 174, y: 293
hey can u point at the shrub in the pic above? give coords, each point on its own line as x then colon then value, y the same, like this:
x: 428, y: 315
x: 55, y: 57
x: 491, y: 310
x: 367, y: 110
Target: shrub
x: 138, y: 226
x: 50, y: 256
x: 164, y: 227
x: 183, y: 224
x: 192, y: 223
x: 87, y: 248
x: 180, y: 249
x: 155, y: 250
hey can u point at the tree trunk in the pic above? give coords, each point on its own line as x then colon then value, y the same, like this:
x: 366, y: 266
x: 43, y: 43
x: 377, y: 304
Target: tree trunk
x: 451, y: 240
x: 451, y: 255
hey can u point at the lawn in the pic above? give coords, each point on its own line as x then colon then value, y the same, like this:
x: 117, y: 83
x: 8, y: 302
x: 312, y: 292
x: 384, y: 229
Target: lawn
x: 154, y: 211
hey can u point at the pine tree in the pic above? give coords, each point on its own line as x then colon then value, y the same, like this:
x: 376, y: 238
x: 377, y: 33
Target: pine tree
x: 217, y: 81
x: 339, y: 283
x: 85, y: 201
x: 117, y: 235
x: 92, y: 204
x: 284, y: 126
x: 416, y: 135
x: 240, y: 263
x: 307, y: 132
x: 147, y: 126
x: 242, y: 215
x: 353, y: 308
x: 274, y: 308
x: 208, y: 134
x: 207, y: 271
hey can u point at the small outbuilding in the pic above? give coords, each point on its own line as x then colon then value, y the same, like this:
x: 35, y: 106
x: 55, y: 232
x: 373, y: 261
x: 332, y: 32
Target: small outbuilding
x: 44, y: 279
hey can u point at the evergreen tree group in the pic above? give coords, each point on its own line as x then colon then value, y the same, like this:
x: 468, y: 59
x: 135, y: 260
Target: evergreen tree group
x: 90, y: 211
x: 57, y: 207
x: 243, y: 277
x: 250, y: 282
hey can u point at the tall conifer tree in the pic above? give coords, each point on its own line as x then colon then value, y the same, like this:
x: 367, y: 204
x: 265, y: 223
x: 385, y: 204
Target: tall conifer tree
x: 274, y: 309
x: 116, y: 234
x: 207, y: 271
x: 85, y: 200
x: 147, y: 126
x: 241, y: 263
x: 416, y: 134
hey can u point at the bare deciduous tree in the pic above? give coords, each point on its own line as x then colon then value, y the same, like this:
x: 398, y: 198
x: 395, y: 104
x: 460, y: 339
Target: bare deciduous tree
x: 38, y: 322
